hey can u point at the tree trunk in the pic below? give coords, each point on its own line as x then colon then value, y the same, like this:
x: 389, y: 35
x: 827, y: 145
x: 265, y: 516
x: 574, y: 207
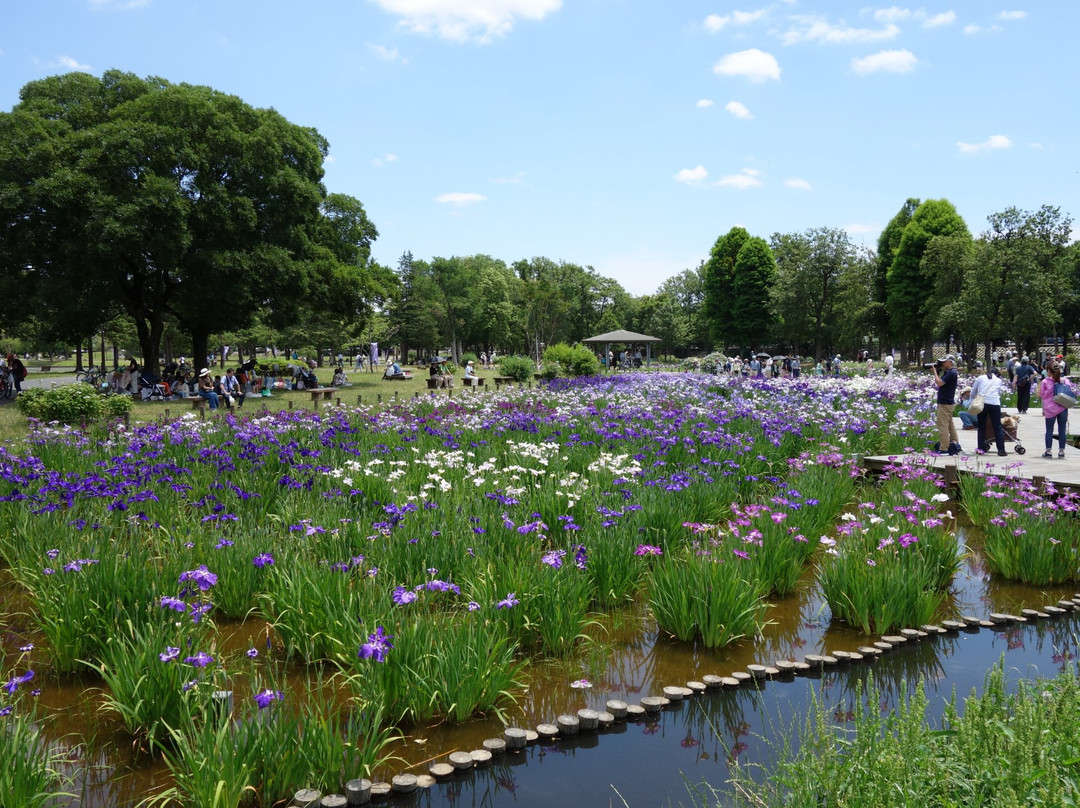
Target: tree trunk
x: 200, y: 349
x: 78, y: 357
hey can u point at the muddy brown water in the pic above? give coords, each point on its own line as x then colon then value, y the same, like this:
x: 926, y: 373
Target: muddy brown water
x: 657, y: 762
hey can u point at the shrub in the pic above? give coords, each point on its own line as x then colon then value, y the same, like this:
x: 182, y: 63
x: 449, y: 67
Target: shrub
x: 71, y: 404
x: 569, y: 360
x: 518, y: 368
x: 713, y: 363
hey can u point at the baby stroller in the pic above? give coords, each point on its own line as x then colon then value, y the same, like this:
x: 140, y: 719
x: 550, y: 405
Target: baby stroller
x: 1008, y: 426
x: 308, y: 379
x: 151, y: 387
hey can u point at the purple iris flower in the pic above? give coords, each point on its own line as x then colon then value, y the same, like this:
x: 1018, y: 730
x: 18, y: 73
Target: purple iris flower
x: 200, y: 660
x: 402, y: 596
x: 263, y: 560
x: 377, y: 646
x: 170, y: 654
x: 201, y: 577
x: 509, y: 602
x: 268, y: 697
x: 175, y: 604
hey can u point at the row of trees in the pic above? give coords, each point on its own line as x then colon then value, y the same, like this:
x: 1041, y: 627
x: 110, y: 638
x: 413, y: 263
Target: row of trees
x: 166, y: 216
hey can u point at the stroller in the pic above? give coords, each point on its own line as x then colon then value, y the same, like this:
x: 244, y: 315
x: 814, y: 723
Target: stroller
x: 1008, y: 426
x: 308, y: 379
x: 151, y: 388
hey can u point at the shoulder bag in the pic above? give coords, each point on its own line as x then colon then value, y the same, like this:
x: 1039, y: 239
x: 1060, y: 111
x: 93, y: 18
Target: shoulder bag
x: 976, y: 405
x: 1063, y: 395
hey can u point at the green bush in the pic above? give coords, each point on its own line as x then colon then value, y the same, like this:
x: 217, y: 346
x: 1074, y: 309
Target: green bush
x: 569, y: 360
x: 71, y: 404
x: 518, y: 368
x: 712, y: 363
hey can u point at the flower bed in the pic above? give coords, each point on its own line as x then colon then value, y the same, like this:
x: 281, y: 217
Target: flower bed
x: 426, y: 552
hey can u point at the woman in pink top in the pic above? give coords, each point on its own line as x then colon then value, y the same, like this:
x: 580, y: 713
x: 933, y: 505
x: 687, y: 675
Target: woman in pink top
x: 1054, y: 413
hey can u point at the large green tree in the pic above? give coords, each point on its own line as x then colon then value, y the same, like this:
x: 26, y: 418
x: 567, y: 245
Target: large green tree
x: 165, y: 200
x: 753, y: 321
x: 887, y: 246
x: 910, y: 300
x: 718, y: 278
x: 809, y: 267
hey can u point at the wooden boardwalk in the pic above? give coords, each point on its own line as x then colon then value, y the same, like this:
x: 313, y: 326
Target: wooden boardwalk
x: 1030, y: 433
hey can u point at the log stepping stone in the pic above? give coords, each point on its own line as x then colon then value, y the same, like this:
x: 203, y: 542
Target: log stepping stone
x: 742, y: 676
x: 881, y: 645
x: 1067, y: 605
x: 800, y: 668
x: 547, y: 730
x: 730, y: 681
x: 481, y: 757
x: 358, y: 792
x: 515, y: 737
x: 987, y: 624
x: 952, y: 626
x: 531, y: 736
x: 494, y: 745
x: 380, y: 791
x: 840, y: 656
x: 869, y: 651
x: 894, y: 639
x: 461, y: 761
x: 634, y: 711
x: 589, y: 720
x: 932, y: 629
x: 712, y: 681
x: 652, y: 704
x: 970, y: 619
x: 424, y: 781
x: 785, y: 666
x: 617, y: 708
x: 772, y: 672
x: 604, y: 719
x: 912, y: 634
x: 403, y: 783
x: 756, y: 671
x: 1054, y: 611
x: 568, y: 724
x: 333, y: 801
x: 306, y: 798
x: 673, y: 692
x: 440, y: 771
x: 695, y: 688
x: 829, y: 660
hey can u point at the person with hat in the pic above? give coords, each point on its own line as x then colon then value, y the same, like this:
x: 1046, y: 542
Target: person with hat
x: 206, y: 388
x: 1023, y: 376
x: 470, y: 373
x: 946, y: 403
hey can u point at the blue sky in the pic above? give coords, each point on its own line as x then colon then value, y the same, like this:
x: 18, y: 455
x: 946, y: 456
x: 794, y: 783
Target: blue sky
x: 626, y: 135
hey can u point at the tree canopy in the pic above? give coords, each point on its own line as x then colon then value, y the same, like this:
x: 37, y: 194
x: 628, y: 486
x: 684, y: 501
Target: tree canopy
x: 171, y: 201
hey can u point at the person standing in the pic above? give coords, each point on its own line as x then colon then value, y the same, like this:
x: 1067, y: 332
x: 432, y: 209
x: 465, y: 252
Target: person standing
x: 989, y: 386
x: 889, y: 359
x: 1055, y: 414
x: 1024, y: 377
x: 946, y: 403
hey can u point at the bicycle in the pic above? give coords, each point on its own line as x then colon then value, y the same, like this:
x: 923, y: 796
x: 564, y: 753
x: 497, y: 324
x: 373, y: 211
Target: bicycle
x: 92, y: 376
x: 7, y: 387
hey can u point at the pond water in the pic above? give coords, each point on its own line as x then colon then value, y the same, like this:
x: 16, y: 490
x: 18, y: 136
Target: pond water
x: 653, y: 762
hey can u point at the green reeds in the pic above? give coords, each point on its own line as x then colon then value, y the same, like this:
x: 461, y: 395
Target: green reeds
x: 716, y: 597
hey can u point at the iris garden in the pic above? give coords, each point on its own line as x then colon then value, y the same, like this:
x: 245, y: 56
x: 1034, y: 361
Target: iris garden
x: 414, y: 561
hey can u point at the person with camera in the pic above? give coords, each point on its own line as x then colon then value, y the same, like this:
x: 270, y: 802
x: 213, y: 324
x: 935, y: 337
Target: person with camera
x: 945, y: 380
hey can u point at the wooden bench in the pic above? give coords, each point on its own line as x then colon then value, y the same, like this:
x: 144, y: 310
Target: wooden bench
x: 474, y: 381
x: 323, y: 393
x: 433, y: 383
x: 198, y: 402
x: 501, y: 380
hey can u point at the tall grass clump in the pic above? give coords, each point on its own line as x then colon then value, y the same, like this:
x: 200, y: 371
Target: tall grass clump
x: 714, y: 597
x: 889, y: 568
x: 1002, y: 749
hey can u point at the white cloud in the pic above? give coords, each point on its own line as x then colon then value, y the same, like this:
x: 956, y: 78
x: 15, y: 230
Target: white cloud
x: 692, y: 176
x: 795, y: 182
x: 990, y: 144
x: 516, y: 179
x: 738, y: 110
x: 812, y: 29
x: 972, y: 29
x: 938, y: 20
x: 756, y: 65
x: 464, y: 20
x: 892, y: 14
x: 888, y: 61
x: 460, y: 198
x: 715, y: 22
x: 388, y: 54
x: 68, y: 63
x: 329, y: 158
x: 704, y: 103
x: 746, y: 178
x: 1010, y: 15
x: 378, y: 162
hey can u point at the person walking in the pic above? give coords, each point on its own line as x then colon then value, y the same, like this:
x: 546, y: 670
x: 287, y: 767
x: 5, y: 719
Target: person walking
x: 989, y: 386
x: 1023, y: 378
x: 946, y: 403
x: 1054, y: 414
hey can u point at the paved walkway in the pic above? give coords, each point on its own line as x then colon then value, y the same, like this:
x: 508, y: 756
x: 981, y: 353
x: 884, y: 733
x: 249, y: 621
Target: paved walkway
x: 1031, y: 435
